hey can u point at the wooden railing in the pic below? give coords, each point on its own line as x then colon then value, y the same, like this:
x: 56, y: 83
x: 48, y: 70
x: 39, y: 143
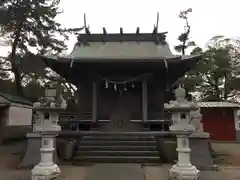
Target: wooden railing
x: 72, y: 122
x: 150, y: 133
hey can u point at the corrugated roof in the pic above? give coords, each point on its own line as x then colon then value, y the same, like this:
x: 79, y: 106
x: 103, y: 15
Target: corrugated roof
x: 218, y: 104
x: 8, y: 99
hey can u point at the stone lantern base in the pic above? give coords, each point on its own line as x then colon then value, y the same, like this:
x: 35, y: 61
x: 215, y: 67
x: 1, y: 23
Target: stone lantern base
x: 182, y: 172
x: 181, y: 128
x: 43, y: 172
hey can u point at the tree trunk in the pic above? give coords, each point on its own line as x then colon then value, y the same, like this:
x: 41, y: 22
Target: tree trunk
x: 15, y: 68
x: 218, y: 94
x: 183, y: 47
x: 18, y: 80
x: 185, y: 40
x: 225, y: 87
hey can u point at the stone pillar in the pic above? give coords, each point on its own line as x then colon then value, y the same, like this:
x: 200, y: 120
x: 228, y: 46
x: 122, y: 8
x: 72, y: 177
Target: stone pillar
x: 48, y: 128
x: 46, y: 169
x: 144, y: 101
x: 183, y: 170
x: 94, y: 103
x: 181, y: 126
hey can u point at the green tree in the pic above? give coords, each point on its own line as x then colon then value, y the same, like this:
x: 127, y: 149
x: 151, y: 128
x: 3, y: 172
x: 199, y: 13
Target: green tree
x: 215, y: 75
x: 32, y: 29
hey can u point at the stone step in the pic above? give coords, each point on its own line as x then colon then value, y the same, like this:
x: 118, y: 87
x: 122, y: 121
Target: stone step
x: 118, y: 138
x: 124, y: 143
x: 116, y: 153
x: 122, y: 147
x: 116, y: 159
x: 116, y: 148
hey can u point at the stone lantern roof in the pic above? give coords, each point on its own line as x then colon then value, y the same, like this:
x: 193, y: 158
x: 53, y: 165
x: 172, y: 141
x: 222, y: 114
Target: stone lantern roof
x: 181, y: 104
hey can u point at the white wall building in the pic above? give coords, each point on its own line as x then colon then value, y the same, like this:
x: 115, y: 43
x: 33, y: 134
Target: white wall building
x: 15, y: 116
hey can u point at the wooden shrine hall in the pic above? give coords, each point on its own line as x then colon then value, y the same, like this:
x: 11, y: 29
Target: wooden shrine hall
x: 123, y: 79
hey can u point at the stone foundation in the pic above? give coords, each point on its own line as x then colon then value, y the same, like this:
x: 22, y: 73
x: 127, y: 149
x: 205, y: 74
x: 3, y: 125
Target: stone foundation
x: 200, y: 145
x: 167, y: 146
x: 201, y: 152
x: 32, y: 153
x: 14, y: 132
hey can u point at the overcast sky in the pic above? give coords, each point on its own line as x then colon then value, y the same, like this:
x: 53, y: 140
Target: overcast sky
x: 209, y: 17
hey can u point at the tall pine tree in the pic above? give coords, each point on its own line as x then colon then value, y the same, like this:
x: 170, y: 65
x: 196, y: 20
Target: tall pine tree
x: 32, y: 29
x: 183, y: 37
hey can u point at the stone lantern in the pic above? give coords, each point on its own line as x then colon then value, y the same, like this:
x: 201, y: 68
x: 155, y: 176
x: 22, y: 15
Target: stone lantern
x: 47, y: 126
x: 181, y: 116
x: 181, y: 112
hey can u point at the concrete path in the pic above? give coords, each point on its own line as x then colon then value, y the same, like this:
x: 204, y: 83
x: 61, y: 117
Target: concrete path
x: 116, y: 172
x: 151, y: 173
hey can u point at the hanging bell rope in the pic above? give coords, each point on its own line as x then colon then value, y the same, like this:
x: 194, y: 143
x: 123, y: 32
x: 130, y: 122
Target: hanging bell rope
x: 115, y: 87
x: 106, y: 84
x: 132, y: 85
x: 126, y: 81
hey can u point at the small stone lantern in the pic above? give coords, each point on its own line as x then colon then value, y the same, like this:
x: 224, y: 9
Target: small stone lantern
x: 181, y: 126
x: 47, y: 126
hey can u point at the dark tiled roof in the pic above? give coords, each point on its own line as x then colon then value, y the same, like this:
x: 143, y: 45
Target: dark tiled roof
x: 15, y: 99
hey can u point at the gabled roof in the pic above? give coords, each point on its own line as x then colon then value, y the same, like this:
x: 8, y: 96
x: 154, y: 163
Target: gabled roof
x: 121, y: 50
x: 121, y: 46
x: 118, y: 53
x: 7, y: 99
x: 220, y: 104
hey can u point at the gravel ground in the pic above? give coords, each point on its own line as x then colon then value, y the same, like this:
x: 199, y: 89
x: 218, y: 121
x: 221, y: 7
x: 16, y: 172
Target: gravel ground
x: 229, y: 153
x: 156, y: 173
x: 152, y: 173
x: 9, y: 160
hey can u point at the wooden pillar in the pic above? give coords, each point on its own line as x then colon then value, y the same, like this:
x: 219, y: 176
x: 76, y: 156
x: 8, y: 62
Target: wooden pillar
x: 94, y: 102
x: 144, y: 101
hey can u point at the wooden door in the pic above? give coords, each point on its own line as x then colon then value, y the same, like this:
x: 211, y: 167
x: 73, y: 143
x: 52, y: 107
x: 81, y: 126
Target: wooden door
x: 119, y: 107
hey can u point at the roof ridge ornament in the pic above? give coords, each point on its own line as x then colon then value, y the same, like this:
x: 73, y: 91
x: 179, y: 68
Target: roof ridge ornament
x: 138, y: 30
x: 157, y: 22
x: 104, y: 34
x: 155, y: 26
x: 121, y: 30
x: 85, y: 25
x: 121, y: 33
x: 104, y: 31
x: 155, y: 29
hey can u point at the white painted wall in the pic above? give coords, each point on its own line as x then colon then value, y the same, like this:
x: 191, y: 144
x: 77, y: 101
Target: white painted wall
x: 237, y: 119
x: 19, y: 116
